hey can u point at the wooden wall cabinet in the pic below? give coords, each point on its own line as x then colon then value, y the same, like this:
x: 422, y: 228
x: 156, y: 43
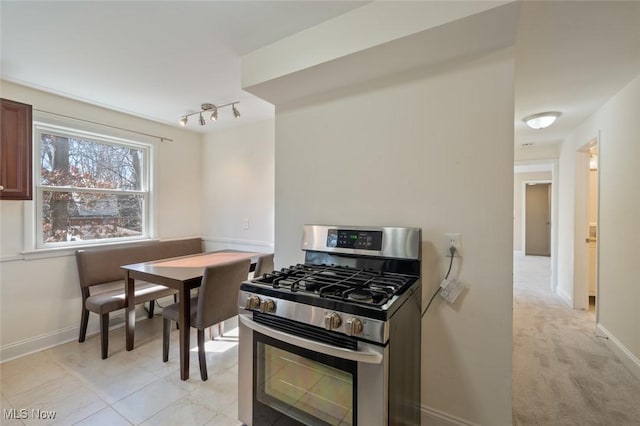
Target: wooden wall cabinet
x: 15, y: 151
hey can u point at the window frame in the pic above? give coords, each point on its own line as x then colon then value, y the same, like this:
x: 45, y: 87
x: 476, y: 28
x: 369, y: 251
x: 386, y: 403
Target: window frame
x: 35, y: 234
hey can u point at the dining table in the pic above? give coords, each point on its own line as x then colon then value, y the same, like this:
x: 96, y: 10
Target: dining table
x: 182, y: 273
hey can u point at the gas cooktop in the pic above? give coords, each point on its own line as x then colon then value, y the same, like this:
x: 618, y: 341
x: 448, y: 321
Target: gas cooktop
x: 338, y: 287
x: 338, y: 282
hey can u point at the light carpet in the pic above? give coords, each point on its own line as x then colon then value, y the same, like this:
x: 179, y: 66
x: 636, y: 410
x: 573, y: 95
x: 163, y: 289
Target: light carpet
x: 562, y: 373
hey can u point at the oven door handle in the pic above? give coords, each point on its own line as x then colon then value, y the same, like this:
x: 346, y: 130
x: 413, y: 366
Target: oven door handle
x: 369, y: 357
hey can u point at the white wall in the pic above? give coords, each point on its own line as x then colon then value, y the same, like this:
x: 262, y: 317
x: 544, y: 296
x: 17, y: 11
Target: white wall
x: 537, y: 152
x: 40, y: 298
x: 518, y: 200
x: 619, y: 209
x: 238, y: 174
x: 566, y: 218
x: 408, y: 151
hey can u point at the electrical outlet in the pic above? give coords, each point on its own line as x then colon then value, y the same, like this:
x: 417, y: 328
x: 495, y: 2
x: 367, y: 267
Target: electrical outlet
x: 454, y: 240
x: 245, y: 224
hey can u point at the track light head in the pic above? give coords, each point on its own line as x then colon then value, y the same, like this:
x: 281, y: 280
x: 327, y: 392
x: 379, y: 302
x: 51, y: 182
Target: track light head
x: 214, y: 114
x: 236, y: 113
x: 183, y: 121
x: 202, y: 122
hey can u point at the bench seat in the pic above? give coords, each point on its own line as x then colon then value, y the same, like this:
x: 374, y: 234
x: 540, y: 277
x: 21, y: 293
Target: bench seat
x: 112, y: 297
x: 102, y: 280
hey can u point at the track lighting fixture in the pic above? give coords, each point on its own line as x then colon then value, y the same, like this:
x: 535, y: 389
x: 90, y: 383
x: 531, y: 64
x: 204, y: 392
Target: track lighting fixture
x: 214, y: 112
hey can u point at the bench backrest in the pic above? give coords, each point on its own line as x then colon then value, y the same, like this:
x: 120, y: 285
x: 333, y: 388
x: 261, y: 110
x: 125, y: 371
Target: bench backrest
x: 102, y: 265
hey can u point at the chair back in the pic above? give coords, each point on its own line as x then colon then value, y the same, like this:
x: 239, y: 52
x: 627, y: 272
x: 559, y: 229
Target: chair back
x: 264, y: 265
x: 218, y: 294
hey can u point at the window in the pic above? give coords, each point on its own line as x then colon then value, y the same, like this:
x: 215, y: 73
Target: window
x: 89, y: 188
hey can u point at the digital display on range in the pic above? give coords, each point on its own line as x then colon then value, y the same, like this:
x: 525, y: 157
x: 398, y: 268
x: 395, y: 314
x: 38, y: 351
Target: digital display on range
x: 353, y: 239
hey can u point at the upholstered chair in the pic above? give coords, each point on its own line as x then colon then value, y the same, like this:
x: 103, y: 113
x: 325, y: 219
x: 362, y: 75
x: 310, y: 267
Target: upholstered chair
x: 217, y: 301
x: 264, y: 265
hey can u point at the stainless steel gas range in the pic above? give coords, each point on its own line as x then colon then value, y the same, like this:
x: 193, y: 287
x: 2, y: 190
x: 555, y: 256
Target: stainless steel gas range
x: 336, y: 340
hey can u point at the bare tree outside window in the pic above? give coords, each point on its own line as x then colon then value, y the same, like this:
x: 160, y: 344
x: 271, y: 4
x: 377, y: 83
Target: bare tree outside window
x: 90, y: 190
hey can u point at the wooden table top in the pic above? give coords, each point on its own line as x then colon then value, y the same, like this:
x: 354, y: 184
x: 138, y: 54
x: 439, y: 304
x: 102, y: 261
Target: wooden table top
x: 189, y: 267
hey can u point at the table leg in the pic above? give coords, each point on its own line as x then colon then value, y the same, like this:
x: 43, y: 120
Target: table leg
x: 185, y: 328
x: 130, y: 311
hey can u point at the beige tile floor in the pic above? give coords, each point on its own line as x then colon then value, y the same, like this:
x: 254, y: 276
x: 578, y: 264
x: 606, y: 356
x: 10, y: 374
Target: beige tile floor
x: 128, y: 387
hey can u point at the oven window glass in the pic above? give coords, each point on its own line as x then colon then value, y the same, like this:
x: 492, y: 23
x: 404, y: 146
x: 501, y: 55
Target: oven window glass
x: 306, y: 390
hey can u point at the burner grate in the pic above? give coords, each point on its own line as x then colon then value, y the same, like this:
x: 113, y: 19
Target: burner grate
x: 338, y: 282
x: 364, y: 295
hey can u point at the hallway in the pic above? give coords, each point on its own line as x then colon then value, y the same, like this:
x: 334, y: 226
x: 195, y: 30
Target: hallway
x: 562, y: 373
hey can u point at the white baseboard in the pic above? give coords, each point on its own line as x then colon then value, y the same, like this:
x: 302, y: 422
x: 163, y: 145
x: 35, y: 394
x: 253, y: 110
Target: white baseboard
x: 625, y: 355
x: 432, y: 417
x: 565, y: 297
x: 212, y: 243
x: 38, y: 343
x: 54, y: 338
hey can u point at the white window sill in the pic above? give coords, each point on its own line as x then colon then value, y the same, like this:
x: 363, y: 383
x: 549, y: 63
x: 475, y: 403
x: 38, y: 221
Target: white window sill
x: 66, y: 251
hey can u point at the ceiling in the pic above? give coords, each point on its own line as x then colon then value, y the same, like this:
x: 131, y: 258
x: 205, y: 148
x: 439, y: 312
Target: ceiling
x: 153, y: 59
x: 160, y: 60
x: 572, y: 56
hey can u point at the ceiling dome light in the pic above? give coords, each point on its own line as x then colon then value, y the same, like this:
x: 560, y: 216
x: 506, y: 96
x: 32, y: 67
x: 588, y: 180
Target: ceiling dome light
x: 541, y: 120
x: 183, y: 121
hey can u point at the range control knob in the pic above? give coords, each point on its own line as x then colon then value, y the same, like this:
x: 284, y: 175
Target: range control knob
x: 253, y: 302
x: 354, y: 327
x: 332, y: 321
x: 268, y: 306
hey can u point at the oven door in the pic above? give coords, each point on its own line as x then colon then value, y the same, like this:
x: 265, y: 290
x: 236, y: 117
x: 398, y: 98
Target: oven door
x: 286, y: 379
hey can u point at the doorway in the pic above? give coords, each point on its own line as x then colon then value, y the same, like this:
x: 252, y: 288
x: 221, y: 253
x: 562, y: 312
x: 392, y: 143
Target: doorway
x: 592, y: 238
x: 538, y: 172
x: 538, y: 219
x: 585, y: 245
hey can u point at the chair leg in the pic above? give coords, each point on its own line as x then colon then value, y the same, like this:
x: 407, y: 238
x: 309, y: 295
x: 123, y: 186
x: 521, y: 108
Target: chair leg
x: 84, y: 321
x: 166, y: 328
x: 201, y: 356
x: 152, y: 305
x: 104, y: 335
x: 219, y: 329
